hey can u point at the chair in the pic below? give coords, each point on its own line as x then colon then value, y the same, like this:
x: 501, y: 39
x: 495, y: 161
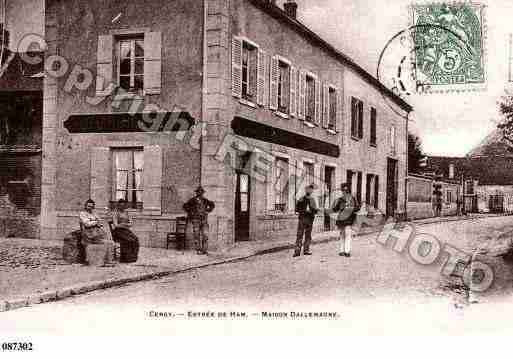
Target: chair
x: 178, y: 236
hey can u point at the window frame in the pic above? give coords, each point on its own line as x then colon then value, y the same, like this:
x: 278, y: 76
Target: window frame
x: 331, y: 124
x: 284, y: 206
x: 392, y: 138
x: 373, y: 141
x: 312, y: 120
x: 357, y: 118
x: 137, y: 205
x: 284, y: 63
x: 246, y: 45
x: 131, y: 38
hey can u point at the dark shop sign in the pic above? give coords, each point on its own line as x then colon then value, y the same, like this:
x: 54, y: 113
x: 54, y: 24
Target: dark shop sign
x: 258, y: 131
x: 126, y: 122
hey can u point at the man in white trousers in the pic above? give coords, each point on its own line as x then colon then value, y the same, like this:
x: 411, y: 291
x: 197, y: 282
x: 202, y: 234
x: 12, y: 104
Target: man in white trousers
x: 346, y: 207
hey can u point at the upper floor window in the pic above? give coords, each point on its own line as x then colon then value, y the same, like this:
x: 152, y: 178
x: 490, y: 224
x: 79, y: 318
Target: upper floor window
x: 249, y: 71
x: 131, y: 64
x: 373, y: 116
x: 310, y: 99
x: 356, y: 118
x: 283, y: 87
x: 392, y: 139
x: 332, y: 114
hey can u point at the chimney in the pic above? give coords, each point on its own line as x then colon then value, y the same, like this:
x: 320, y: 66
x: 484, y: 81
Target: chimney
x: 291, y: 8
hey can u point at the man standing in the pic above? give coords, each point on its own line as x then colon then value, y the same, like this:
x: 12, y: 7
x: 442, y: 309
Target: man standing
x: 307, y: 208
x: 346, y: 206
x: 197, y: 209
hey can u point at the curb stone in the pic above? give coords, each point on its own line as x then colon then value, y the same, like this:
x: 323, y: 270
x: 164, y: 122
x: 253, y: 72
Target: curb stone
x: 17, y: 303
x: 45, y: 297
x: 64, y: 293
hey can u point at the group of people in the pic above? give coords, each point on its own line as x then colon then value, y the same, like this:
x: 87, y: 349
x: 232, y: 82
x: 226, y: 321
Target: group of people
x: 94, y: 232
x: 344, y: 208
x: 198, y: 208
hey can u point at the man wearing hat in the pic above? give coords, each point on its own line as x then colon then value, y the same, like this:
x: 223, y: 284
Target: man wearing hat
x: 346, y: 206
x: 197, y: 209
x: 307, y: 208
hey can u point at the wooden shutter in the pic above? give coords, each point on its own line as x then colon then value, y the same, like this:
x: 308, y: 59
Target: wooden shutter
x: 237, y: 67
x: 301, y: 95
x: 270, y: 186
x: 293, y: 91
x: 104, y: 64
x: 152, y: 178
x: 273, y: 83
x: 101, y: 170
x: 261, y: 78
x: 152, y: 63
x: 360, y: 119
x: 359, y: 187
x: 339, y: 101
x: 354, y: 131
x: 318, y: 102
x: 376, y: 192
x: 325, y: 105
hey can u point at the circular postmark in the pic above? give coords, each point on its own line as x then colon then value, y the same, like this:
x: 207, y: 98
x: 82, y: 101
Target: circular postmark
x: 402, y: 70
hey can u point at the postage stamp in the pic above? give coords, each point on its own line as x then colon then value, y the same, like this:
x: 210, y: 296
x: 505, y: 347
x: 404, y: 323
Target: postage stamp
x: 449, y: 46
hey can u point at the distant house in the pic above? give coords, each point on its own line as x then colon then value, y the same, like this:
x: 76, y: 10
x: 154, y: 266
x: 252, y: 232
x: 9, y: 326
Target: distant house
x: 486, y: 171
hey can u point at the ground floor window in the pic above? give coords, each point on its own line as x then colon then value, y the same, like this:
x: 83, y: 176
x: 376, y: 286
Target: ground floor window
x: 281, y: 184
x: 128, y: 172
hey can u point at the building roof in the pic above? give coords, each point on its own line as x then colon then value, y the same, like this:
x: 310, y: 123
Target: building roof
x: 492, y: 145
x: 488, y: 170
x: 278, y: 13
x: 18, y: 75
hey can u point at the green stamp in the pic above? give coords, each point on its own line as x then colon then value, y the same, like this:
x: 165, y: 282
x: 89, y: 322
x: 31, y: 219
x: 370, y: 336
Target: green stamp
x: 448, y: 43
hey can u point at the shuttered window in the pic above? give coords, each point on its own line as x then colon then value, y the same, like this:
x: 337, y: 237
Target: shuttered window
x: 138, y: 63
x: 330, y: 110
x: 356, y: 118
x: 373, y: 116
x: 249, y: 72
x: 283, y: 87
x: 310, y: 99
x: 249, y: 64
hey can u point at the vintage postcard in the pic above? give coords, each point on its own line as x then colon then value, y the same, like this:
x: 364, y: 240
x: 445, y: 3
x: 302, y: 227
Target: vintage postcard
x: 254, y: 167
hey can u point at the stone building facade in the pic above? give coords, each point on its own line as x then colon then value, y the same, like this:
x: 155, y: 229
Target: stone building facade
x: 275, y: 105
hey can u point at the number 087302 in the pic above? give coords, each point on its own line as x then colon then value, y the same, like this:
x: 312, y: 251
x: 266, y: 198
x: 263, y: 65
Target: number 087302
x: 16, y: 346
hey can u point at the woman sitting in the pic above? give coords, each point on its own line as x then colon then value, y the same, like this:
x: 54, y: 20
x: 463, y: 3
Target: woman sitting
x: 123, y: 235
x: 99, y: 247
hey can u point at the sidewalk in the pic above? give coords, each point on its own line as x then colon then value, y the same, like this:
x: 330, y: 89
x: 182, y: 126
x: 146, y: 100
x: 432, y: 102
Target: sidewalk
x: 33, y: 271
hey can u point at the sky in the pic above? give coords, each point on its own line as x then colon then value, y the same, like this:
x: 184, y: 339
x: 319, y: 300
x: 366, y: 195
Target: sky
x: 449, y: 124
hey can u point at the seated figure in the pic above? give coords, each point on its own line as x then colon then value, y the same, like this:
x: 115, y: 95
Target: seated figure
x: 122, y: 234
x: 99, y: 247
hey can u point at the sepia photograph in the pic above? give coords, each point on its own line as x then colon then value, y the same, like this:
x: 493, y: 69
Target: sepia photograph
x: 254, y: 167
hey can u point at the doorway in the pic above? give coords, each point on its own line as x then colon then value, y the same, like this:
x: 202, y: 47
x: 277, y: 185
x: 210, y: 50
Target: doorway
x: 242, y: 198
x: 329, y: 179
x: 391, y: 187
